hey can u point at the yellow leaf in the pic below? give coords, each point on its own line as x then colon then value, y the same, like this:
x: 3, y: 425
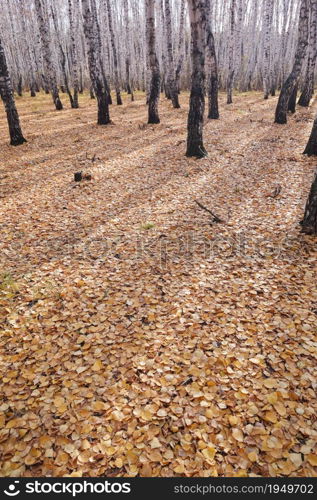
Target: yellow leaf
x: 233, y: 420
x: 119, y: 463
x: 312, y: 459
x: 179, y: 469
x: 280, y: 408
x: 132, y: 457
x: 98, y: 406
x: 269, y: 383
x: 296, y: 459
x: 146, y: 470
x: 78, y: 473
x: 12, y: 424
x: 97, y: 366
x: 155, y: 443
x: 238, y: 434
x: 45, y: 441
x: 110, y: 451
x: 253, y: 457
x: 209, y: 453
x: 272, y: 398
x: 270, y: 416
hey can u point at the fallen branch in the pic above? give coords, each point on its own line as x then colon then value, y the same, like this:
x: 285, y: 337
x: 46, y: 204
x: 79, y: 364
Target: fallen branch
x: 215, y: 217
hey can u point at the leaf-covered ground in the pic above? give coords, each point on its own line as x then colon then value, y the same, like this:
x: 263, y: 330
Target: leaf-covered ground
x: 137, y: 336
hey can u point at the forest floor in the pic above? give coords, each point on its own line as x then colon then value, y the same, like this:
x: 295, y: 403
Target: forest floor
x: 137, y: 336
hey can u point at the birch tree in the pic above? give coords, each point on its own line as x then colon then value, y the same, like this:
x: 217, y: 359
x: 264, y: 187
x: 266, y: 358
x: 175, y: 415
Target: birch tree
x: 309, y: 223
x: 171, y: 82
x: 45, y: 37
x: 308, y: 88
x: 181, y: 43
x: 153, y: 115
x: 129, y: 82
x: 231, y: 68
x: 268, y: 14
x: 6, y: 93
x: 74, y: 55
x: 197, y: 15
x: 94, y: 63
x: 213, y: 109
x: 114, y: 51
x: 292, y: 80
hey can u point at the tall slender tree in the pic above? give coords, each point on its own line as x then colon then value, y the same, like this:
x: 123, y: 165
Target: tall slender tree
x: 95, y: 70
x: 311, y: 147
x: 171, y: 82
x: 46, y: 38
x: 197, y: 15
x: 231, y: 69
x: 292, y: 81
x: 155, y: 82
x: 74, y: 54
x: 181, y: 44
x: 114, y: 51
x: 213, y: 108
x: 309, y: 223
x: 308, y: 90
x: 268, y: 15
x: 6, y: 93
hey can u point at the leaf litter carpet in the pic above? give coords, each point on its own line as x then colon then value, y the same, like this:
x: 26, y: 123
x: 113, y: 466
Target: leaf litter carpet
x: 137, y: 336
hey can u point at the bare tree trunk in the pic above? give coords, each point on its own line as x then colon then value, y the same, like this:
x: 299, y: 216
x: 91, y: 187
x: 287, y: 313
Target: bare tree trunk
x: 213, y: 108
x: 171, y: 83
x: 6, y: 93
x: 268, y: 13
x: 311, y: 147
x: 292, y: 100
x: 47, y: 53
x: 180, y: 46
x: 64, y: 88
x: 292, y: 80
x: 308, y: 89
x: 230, y: 80
x: 129, y: 82
x: 153, y: 62
x: 96, y: 76
x: 197, y: 14
x: 309, y: 223
x: 74, y: 54
x: 114, y: 51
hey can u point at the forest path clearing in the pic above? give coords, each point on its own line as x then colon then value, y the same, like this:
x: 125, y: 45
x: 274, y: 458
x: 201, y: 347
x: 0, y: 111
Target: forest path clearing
x: 137, y: 337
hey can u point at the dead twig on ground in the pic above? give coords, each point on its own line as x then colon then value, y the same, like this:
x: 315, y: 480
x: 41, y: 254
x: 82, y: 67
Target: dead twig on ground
x: 215, y: 217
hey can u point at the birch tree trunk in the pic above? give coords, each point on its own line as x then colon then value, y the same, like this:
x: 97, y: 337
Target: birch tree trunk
x: 308, y: 89
x: 292, y: 80
x: 94, y: 63
x: 45, y: 38
x: 73, y: 53
x: 114, y: 51
x: 311, y: 147
x: 309, y: 223
x: 197, y: 15
x: 180, y: 46
x: 268, y: 13
x: 171, y: 83
x: 62, y: 55
x: 129, y: 82
x: 27, y: 52
x: 153, y: 62
x: 213, y: 108
x: 6, y: 93
x: 231, y: 53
